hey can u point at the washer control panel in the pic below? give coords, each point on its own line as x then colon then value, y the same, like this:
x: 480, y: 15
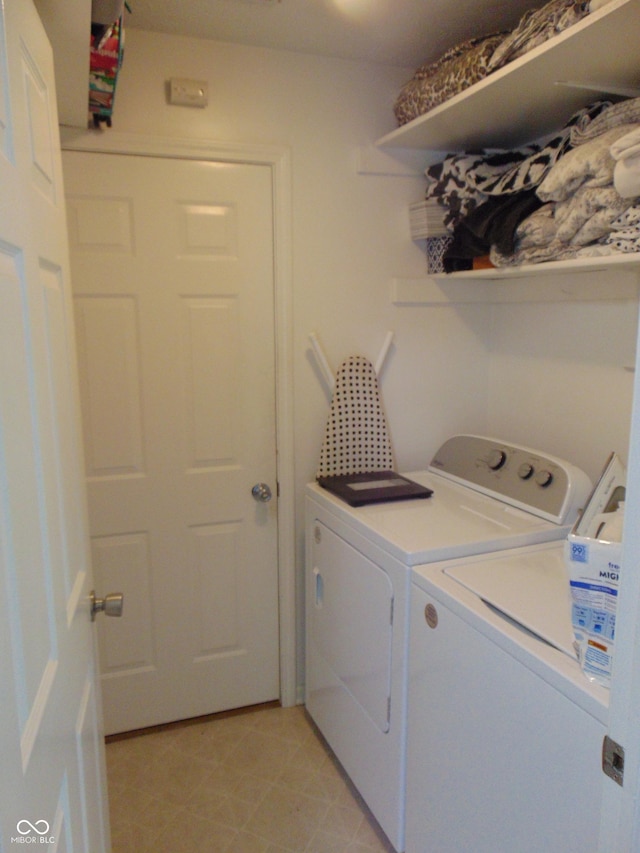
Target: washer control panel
x: 544, y: 485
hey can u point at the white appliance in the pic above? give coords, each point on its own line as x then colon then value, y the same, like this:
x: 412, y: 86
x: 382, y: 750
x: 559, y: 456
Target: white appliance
x: 487, y: 496
x: 505, y: 732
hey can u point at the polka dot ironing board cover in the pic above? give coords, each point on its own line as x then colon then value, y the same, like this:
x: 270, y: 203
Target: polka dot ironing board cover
x: 356, y: 437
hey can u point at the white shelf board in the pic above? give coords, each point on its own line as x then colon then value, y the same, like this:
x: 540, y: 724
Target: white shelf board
x: 530, y: 96
x: 602, y: 265
x: 68, y: 27
x: 551, y: 282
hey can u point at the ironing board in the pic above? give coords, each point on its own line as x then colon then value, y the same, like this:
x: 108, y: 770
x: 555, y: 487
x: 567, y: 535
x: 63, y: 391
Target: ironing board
x: 356, y: 436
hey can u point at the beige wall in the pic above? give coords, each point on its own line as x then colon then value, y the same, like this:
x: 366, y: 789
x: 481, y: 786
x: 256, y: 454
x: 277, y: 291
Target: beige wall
x: 561, y: 375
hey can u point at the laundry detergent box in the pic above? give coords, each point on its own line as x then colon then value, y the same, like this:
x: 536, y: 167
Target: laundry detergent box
x: 593, y: 553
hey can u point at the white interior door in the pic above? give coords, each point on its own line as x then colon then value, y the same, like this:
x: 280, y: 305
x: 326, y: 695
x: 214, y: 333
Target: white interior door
x: 620, y: 817
x: 173, y: 277
x: 52, y: 756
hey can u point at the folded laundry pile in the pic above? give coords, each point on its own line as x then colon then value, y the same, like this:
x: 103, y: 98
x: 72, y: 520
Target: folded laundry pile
x: 553, y: 201
x: 457, y: 69
x: 474, y: 59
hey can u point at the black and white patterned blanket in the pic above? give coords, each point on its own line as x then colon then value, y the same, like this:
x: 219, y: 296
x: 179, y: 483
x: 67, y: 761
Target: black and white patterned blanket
x: 461, y: 182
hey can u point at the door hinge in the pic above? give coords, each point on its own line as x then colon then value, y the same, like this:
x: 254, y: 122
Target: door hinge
x: 613, y: 760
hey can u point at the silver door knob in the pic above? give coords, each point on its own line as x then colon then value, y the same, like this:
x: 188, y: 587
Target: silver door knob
x: 261, y: 492
x: 110, y: 605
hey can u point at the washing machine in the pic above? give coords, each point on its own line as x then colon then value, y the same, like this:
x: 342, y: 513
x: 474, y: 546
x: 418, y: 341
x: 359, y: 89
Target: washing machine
x: 488, y: 495
x: 505, y: 732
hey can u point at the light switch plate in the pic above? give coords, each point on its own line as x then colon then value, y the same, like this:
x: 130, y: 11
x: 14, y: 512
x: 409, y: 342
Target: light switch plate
x: 188, y: 93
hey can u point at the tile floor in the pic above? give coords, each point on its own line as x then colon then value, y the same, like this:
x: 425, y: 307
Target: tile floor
x: 258, y: 782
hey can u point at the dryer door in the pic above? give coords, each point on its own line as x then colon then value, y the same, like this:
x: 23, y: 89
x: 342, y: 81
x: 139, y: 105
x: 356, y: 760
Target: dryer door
x: 351, y: 614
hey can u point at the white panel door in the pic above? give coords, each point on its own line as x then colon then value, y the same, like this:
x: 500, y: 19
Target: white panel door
x: 172, y: 265
x: 52, y: 787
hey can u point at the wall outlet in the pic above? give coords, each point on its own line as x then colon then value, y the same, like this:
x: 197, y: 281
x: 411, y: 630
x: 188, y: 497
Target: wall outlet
x: 188, y: 93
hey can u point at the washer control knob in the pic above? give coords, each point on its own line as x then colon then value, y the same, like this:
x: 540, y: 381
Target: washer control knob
x: 496, y: 459
x: 525, y: 471
x: 544, y: 478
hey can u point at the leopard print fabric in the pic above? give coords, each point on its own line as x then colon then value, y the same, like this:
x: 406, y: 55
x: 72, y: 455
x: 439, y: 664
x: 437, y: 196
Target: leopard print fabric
x: 472, y: 60
x: 434, y: 83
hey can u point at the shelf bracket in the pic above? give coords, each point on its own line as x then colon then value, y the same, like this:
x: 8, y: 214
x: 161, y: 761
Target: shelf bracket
x: 603, y: 88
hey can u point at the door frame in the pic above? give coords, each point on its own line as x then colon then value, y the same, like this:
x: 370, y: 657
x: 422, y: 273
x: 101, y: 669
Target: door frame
x: 278, y: 159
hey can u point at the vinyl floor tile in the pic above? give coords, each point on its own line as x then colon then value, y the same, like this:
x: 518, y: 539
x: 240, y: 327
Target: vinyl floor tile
x: 256, y: 782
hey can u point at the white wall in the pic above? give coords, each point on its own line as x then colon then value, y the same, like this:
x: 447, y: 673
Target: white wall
x: 561, y: 378
x: 549, y: 376
x: 350, y: 231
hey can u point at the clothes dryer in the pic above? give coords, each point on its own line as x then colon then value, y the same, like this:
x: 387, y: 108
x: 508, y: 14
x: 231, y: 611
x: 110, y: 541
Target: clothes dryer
x: 488, y: 495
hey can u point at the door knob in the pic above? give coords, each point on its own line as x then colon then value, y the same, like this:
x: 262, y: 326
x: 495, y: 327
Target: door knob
x: 110, y: 605
x: 261, y: 492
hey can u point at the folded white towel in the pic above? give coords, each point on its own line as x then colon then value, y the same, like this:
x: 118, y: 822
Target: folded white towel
x: 627, y: 146
x: 626, y: 176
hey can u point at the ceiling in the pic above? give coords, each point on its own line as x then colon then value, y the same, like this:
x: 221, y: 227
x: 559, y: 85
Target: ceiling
x: 391, y: 32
